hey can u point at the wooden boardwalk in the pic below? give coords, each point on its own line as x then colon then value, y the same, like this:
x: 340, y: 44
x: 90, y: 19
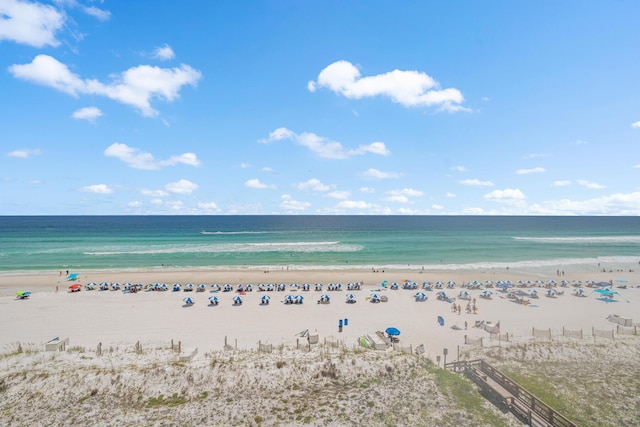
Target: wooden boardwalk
x: 508, y: 393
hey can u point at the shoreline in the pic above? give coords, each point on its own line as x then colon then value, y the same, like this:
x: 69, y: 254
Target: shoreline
x: 10, y: 280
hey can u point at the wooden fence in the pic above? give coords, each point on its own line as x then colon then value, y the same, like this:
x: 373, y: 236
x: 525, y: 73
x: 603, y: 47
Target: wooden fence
x: 519, y: 400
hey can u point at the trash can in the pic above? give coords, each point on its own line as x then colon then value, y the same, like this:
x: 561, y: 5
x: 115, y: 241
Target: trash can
x: 346, y: 322
x: 340, y: 325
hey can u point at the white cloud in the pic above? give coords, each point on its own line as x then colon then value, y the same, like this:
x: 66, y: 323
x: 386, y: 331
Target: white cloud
x: 476, y: 183
x: 138, y: 159
x: 209, y: 206
x: 135, y: 204
x: 342, y: 195
x: 473, y: 211
x: 164, y: 53
x: 244, y: 165
x: 397, y: 198
x: 289, y: 204
x: 154, y: 193
x: 507, y: 195
x: 25, y: 153
x: 590, y: 185
x: 437, y: 207
x: 534, y: 156
x: 532, y: 170
x: 175, y: 205
x: 614, y: 204
x: 402, y: 196
x: 561, y: 183
x: 102, y: 15
x: 367, y: 190
x: 354, y: 204
x: 87, y: 113
x: 324, y: 147
x: 97, y: 189
x: 256, y: 184
x: 378, y: 174
x: 637, y: 166
x: 182, y: 186
x: 408, y: 88
x: 135, y: 87
x: 30, y: 23
x: 312, y: 185
x: 460, y: 169
x: 635, y: 124
x: 450, y: 195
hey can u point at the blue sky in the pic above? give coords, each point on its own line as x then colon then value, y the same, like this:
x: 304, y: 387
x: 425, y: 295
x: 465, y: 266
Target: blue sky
x: 320, y: 107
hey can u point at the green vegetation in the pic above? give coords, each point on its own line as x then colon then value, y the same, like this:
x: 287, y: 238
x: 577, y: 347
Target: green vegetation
x: 466, y: 396
x: 160, y: 401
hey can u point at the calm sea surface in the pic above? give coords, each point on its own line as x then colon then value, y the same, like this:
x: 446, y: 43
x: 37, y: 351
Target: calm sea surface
x: 51, y: 243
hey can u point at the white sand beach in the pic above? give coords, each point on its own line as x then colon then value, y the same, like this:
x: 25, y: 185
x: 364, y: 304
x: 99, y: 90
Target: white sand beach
x: 118, y: 320
x: 90, y: 317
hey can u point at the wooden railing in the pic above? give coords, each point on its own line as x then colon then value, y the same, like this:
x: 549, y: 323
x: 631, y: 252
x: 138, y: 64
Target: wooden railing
x: 524, y: 403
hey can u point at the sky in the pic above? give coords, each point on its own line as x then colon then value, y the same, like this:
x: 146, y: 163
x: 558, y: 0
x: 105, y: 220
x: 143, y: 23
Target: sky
x: 319, y: 107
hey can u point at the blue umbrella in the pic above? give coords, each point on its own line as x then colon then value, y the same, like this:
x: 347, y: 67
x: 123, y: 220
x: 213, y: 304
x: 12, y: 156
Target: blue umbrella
x: 393, y: 331
x: 605, y: 292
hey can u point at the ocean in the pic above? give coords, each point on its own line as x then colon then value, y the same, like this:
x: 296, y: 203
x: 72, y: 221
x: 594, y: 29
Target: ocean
x: 533, y: 244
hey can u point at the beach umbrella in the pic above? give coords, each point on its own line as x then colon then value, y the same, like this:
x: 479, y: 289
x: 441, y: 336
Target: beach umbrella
x: 605, y: 292
x: 22, y: 294
x: 392, y: 331
x: 237, y: 300
x: 213, y: 301
x: 188, y: 301
x: 75, y: 287
x: 486, y: 293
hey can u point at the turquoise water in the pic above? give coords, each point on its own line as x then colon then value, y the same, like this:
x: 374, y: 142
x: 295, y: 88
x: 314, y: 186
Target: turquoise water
x: 43, y: 243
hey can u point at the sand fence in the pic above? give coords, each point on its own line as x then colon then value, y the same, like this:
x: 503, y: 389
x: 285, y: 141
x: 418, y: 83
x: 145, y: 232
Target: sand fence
x: 624, y: 326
